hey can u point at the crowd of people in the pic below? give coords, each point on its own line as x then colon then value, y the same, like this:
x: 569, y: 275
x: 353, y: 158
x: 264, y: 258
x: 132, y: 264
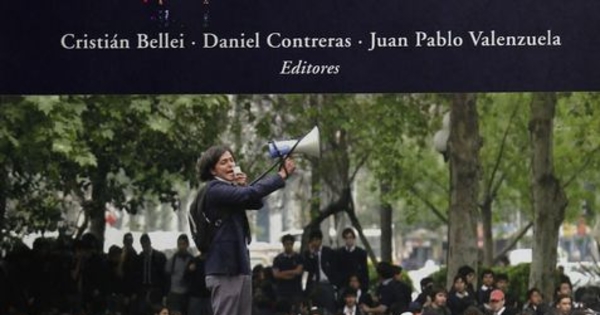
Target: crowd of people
x: 59, y: 277
x: 77, y: 277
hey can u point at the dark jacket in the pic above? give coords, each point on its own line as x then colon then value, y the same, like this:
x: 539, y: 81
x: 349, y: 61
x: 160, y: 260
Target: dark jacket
x: 355, y: 263
x: 457, y: 304
x: 396, y: 295
x: 329, y: 264
x: 541, y: 309
x: 157, y: 275
x: 228, y: 252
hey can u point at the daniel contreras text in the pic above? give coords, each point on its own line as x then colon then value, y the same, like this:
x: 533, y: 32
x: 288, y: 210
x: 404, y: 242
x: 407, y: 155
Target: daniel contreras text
x: 369, y: 42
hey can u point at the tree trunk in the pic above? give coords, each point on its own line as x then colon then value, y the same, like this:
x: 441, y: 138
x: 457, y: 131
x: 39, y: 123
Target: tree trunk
x: 385, y: 223
x: 488, y: 239
x: 97, y: 206
x: 549, y: 199
x: 463, y: 151
x: 341, y: 204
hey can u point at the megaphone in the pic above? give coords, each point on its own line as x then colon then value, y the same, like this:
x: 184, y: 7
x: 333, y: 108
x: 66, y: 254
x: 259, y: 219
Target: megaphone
x: 309, y: 144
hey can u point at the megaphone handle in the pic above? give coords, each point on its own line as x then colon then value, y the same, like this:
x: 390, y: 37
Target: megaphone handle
x: 279, y: 161
x: 283, y: 157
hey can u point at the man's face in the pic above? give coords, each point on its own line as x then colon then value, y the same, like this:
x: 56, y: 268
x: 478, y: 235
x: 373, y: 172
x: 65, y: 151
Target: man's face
x: 470, y: 277
x: 496, y: 305
x: 349, y: 239
x: 502, y: 285
x: 182, y: 246
x: 128, y: 241
x: 354, y: 283
x: 350, y: 300
x: 565, y: 289
x: 288, y: 247
x: 224, y: 167
x: 398, y: 276
x: 564, y: 306
x: 535, y: 298
x: 488, y: 279
x: 459, y: 285
x: 146, y: 246
x: 314, y: 244
x: 440, y: 299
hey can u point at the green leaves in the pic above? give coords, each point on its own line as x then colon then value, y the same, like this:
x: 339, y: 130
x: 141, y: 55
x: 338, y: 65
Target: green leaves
x: 128, y: 148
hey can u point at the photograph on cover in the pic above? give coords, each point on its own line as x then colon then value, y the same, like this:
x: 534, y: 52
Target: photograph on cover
x: 99, y: 189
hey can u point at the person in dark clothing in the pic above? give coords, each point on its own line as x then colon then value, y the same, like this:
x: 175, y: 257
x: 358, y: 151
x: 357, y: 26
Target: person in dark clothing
x: 199, y: 295
x: 535, y: 304
x: 459, y: 298
x: 175, y: 269
x: 152, y: 278
x: 565, y: 287
x: 392, y: 295
x: 469, y: 273
x: 287, y: 271
x: 228, y: 197
x: 362, y: 296
x: 487, y: 285
x: 263, y: 290
x: 89, y: 273
x: 503, y: 283
x: 321, y: 262
x: 114, y: 289
x: 129, y: 271
x: 438, y: 305
x: 405, y: 290
x: 354, y: 258
x: 19, y: 263
x: 43, y: 289
x: 350, y: 306
x: 426, y: 285
x: 498, y: 305
x: 563, y: 304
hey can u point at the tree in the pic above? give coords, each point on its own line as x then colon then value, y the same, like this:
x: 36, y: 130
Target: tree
x: 463, y: 150
x: 31, y: 141
x: 549, y: 199
x: 124, y: 149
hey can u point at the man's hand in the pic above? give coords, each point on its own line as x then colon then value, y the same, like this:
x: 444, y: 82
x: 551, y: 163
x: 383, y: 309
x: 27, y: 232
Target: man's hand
x: 287, y: 168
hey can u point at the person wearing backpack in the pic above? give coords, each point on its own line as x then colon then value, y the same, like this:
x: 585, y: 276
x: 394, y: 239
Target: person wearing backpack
x: 226, y: 199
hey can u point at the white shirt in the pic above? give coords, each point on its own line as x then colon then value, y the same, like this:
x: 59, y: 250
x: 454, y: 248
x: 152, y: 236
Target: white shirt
x: 349, y: 310
x: 500, y: 311
x: 322, y: 275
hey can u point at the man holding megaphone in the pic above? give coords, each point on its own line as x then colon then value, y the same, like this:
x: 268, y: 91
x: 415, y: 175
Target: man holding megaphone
x: 227, y: 198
